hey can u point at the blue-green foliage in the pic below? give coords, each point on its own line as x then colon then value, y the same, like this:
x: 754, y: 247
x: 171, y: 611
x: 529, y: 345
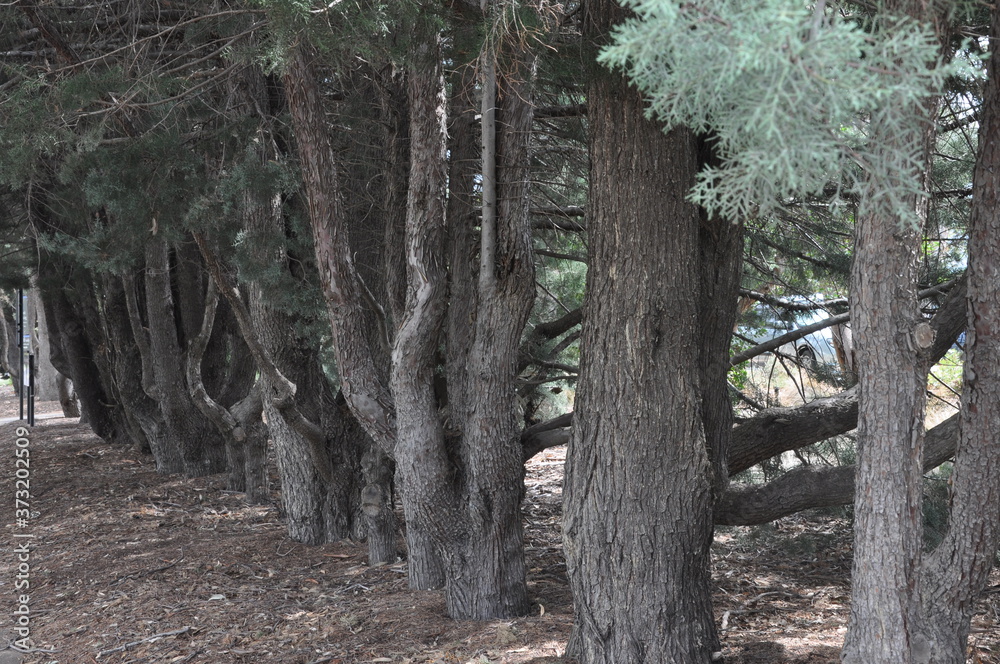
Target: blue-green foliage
x: 784, y: 90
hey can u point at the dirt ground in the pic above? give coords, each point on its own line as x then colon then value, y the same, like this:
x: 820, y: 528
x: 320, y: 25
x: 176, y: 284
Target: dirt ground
x: 128, y: 566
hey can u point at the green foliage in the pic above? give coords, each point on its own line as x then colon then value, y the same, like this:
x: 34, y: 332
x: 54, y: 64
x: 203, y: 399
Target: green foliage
x: 343, y: 31
x: 781, y: 89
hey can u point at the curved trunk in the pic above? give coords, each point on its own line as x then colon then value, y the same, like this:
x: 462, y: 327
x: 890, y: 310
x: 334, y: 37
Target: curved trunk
x: 202, y: 447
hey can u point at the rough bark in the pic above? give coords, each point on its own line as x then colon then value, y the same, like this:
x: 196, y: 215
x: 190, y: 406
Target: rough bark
x: 376, y: 503
x: 202, y: 447
x: 463, y: 296
x: 76, y: 338
x: 957, y: 571
x: 892, y: 349
x: 720, y: 255
x: 366, y: 393
x: 238, y: 431
x: 429, y: 502
x: 317, y: 445
x: 488, y: 578
x: 638, y: 489
x: 461, y: 493
x: 139, y: 411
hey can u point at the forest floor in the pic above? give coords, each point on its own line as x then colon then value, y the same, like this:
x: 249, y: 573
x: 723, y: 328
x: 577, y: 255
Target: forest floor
x: 128, y: 566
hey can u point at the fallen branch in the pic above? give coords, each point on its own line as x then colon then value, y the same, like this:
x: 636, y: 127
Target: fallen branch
x: 154, y: 637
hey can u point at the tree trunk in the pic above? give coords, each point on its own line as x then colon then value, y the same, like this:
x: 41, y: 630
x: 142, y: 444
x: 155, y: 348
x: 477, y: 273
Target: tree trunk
x: 488, y: 578
x: 202, y: 447
x: 958, y: 570
x: 463, y: 172
x: 8, y: 333
x: 73, y: 333
x: 892, y: 344
x: 139, y: 411
x: 461, y: 498
x: 638, y: 488
x: 46, y: 377
x: 427, y: 490
x: 360, y: 380
x: 721, y: 260
x: 376, y: 503
x: 319, y: 472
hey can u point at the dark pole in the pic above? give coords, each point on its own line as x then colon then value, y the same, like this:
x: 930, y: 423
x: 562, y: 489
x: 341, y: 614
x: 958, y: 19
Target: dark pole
x: 20, y: 352
x: 31, y: 389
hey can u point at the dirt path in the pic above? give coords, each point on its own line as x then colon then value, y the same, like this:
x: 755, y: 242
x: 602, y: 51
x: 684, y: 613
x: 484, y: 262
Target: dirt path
x: 129, y: 566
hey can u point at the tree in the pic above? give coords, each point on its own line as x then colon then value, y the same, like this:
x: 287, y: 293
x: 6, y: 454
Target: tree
x: 461, y: 483
x: 639, y: 483
x: 894, y: 342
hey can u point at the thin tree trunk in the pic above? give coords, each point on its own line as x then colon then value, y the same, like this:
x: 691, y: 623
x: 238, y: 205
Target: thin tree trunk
x: 721, y: 259
x: 462, y: 219
x: 638, y: 489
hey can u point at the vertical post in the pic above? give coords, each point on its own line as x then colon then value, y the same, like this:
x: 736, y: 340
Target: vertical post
x: 31, y: 389
x: 20, y: 352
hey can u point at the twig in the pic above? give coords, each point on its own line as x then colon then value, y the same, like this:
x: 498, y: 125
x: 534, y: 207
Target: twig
x: 322, y: 660
x: 140, y: 574
x: 154, y: 637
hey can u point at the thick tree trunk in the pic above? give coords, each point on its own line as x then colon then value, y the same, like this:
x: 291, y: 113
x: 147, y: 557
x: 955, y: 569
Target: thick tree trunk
x: 887, y: 542
x: 140, y: 412
x: 46, y: 377
x: 98, y: 408
x: 638, y: 488
x: 957, y: 571
x: 376, y: 503
x: 461, y: 501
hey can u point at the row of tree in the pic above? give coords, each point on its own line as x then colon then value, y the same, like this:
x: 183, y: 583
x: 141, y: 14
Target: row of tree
x: 323, y: 228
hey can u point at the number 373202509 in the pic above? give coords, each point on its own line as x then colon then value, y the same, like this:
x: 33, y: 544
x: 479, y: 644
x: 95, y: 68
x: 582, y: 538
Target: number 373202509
x: 23, y: 484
